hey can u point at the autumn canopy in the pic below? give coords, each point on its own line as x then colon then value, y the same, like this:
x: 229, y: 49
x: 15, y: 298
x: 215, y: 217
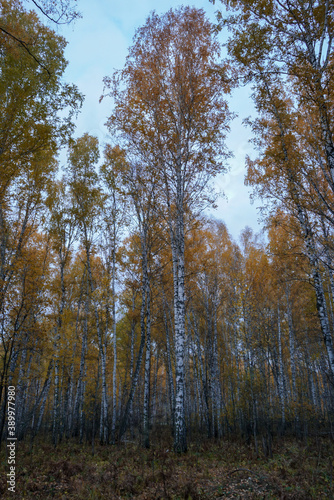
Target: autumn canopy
x: 126, y: 312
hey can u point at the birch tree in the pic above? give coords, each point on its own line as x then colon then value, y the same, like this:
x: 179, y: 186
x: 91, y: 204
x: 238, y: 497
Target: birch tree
x: 285, y: 50
x: 114, y: 216
x: 36, y: 111
x: 87, y: 196
x: 62, y: 231
x: 170, y: 107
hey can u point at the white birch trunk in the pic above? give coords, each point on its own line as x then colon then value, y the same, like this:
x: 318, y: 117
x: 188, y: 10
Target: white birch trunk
x: 143, y: 320
x: 281, y: 394
x: 114, y: 380
x: 20, y: 395
x: 155, y: 385
x: 102, y: 347
x: 70, y: 407
x: 180, y: 438
x: 55, y: 431
x: 291, y: 345
x: 79, y: 397
x: 169, y: 361
x: 305, y: 225
x: 45, y: 393
x: 147, y: 380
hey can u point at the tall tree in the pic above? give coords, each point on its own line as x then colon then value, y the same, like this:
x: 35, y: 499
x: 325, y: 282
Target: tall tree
x: 62, y: 229
x: 87, y: 196
x: 285, y: 50
x: 57, y: 12
x: 36, y: 110
x: 170, y: 109
x: 114, y: 217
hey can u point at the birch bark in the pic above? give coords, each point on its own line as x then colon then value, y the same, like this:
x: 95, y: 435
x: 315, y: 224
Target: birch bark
x: 102, y: 348
x: 114, y: 379
x: 147, y: 379
x: 144, y: 311
x: 302, y: 217
x: 281, y: 391
x: 169, y: 356
x: 171, y: 112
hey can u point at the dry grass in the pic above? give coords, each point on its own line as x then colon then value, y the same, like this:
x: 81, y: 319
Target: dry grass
x: 209, y: 470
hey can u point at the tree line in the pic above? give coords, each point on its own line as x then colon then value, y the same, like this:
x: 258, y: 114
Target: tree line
x: 125, y: 311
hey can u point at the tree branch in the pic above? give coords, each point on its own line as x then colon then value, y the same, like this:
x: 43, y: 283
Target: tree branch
x: 25, y: 46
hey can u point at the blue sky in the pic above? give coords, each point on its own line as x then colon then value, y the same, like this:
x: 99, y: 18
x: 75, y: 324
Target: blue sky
x: 98, y: 44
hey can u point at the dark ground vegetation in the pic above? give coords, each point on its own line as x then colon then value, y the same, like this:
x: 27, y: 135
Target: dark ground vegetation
x: 299, y: 469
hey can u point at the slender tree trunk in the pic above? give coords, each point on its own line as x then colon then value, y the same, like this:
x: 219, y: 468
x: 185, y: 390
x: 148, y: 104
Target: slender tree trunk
x: 44, y: 396
x: 291, y: 344
x: 132, y: 347
x: 155, y: 385
x: 114, y: 380
x: 304, y: 221
x: 102, y: 347
x: 143, y: 319
x: 56, y: 416
x: 20, y: 389
x: 80, y: 393
x: 169, y: 357
x: 217, y: 396
x: 95, y: 406
x: 147, y: 380
x: 180, y: 436
x: 281, y: 394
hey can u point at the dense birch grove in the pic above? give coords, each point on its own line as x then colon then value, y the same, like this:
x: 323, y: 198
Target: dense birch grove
x: 127, y: 312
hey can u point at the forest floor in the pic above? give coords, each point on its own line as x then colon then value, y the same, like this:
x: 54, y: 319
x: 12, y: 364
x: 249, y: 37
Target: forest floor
x: 228, y: 469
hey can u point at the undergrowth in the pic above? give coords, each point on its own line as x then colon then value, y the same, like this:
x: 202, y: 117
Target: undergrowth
x: 225, y: 469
